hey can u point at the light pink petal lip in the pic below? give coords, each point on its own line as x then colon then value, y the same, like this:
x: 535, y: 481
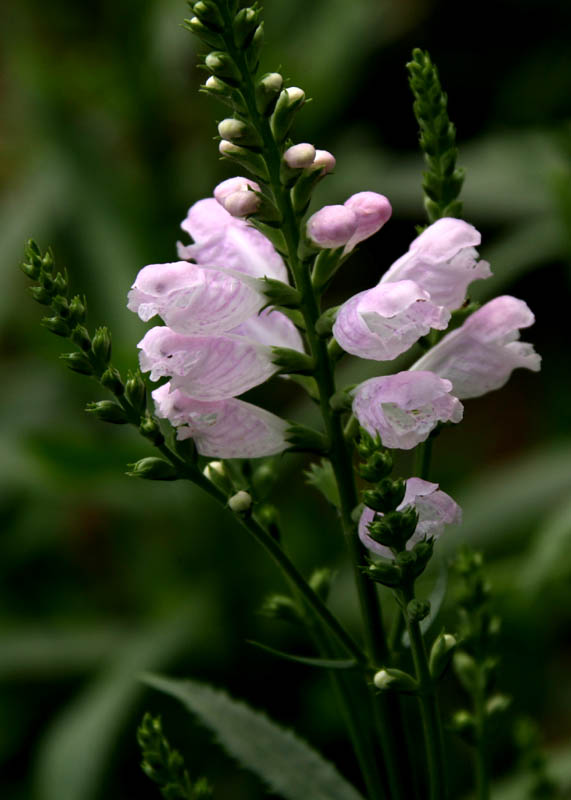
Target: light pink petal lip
x: 223, y: 429
x: 435, y: 508
x: 403, y: 409
x: 480, y: 356
x: 382, y: 322
x: 271, y: 328
x: 443, y: 261
x: 229, y: 242
x: 373, y: 210
x: 205, y: 368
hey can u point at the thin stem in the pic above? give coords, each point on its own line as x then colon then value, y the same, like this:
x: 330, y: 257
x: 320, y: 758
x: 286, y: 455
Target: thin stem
x: 481, y: 751
x: 423, y: 456
x: 430, y: 714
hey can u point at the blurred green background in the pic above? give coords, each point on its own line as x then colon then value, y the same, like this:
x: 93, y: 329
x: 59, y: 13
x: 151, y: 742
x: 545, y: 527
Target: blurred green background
x: 106, y: 143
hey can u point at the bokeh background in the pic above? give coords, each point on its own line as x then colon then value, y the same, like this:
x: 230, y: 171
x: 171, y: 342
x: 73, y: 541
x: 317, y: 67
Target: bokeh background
x: 105, y: 144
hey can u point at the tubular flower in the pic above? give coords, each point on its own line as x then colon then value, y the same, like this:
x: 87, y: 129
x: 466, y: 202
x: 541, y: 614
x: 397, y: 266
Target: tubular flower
x: 222, y: 429
x: 435, y: 510
x: 443, y: 260
x: 192, y: 299
x: 238, y: 196
x: 385, y: 321
x: 227, y: 241
x: 372, y: 211
x: 481, y: 355
x: 332, y: 226
x: 404, y: 408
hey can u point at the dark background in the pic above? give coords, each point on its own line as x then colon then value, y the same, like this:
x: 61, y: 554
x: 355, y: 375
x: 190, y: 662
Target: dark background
x: 105, y: 144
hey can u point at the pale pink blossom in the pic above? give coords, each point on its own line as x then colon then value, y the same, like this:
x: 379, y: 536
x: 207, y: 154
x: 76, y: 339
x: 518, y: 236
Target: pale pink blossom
x: 384, y: 321
x: 324, y: 160
x: 435, y: 510
x: 299, y: 156
x: 332, y: 226
x: 192, y: 299
x: 222, y: 429
x: 443, y: 260
x: 238, y: 196
x: 226, y: 241
x: 481, y: 355
x: 404, y: 408
x: 271, y: 328
x: 205, y: 367
x: 372, y: 210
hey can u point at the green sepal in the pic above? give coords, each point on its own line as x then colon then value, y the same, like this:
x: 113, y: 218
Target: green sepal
x: 136, y: 392
x: 204, y: 33
x: 253, y: 162
x: 289, y: 361
x: 386, y: 496
x: 40, y: 294
x: 394, y: 528
x: 323, y: 663
x: 308, y: 384
x: 384, y: 571
x: 208, y: 13
x: 390, y: 679
x: 80, y: 336
x: 108, y: 411
x: 288, y: 104
x: 153, y: 469
x: 255, y: 48
x: 324, y: 325
x: 220, y: 64
x: 78, y: 362
x: 268, y: 89
x: 417, y: 610
x: 341, y: 401
x: 77, y: 310
x: 378, y: 465
x: 304, y: 186
x: 150, y: 429
x: 56, y: 325
x: 271, y: 232
x: 244, y: 26
x: 305, y: 439
x: 326, y: 265
x: 414, y: 562
x: 101, y: 346
x: 441, y: 654
x: 111, y: 379
x: 278, y: 293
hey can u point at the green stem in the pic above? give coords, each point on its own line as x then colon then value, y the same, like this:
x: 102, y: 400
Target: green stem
x: 430, y: 714
x: 423, y: 456
x: 481, y: 751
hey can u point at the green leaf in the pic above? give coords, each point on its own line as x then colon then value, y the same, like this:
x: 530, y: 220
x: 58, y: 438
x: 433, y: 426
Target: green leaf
x: 325, y: 663
x: 289, y: 766
x: 321, y: 476
x: 548, y: 558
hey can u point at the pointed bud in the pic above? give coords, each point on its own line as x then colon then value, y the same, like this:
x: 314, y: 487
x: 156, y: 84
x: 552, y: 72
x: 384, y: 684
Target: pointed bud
x: 215, y: 472
x: 279, y: 606
x: 240, y: 502
x: 56, y: 325
x: 81, y: 338
x: 151, y: 430
x: 386, y: 496
x: 395, y: 528
x: 320, y: 581
x: 111, y: 379
x: 246, y: 158
x: 208, y: 13
x: 441, y: 654
x: 421, y: 554
x: 204, y: 33
x: 301, y: 437
x: 101, y: 346
x: 255, y: 48
x: 108, y: 411
x: 288, y: 104
x: 77, y: 362
x: 386, y: 572
x: 378, y: 465
x: 77, y: 310
x: 244, y: 26
x: 153, y: 469
x: 221, y: 65
x: 324, y: 324
x: 40, y: 295
x: 239, y: 132
x: 395, y: 680
x: 268, y: 89
x: 417, y: 610
x: 325, y: 266
x: 291, y: 361
x: 136, y: 392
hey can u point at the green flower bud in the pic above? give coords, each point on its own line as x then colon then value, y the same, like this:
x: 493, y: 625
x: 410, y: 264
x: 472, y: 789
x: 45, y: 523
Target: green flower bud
x: 111, y: 379
x: 269, y: 517
x: 56, y: 325
x: 417, y: 610
x: 395, y: 528
x: 221, y: 65
x: 279, y: 606
x: 320, y: 581
x: 264, y: 478
x: 288, y: 104
x: 497, y: 704
x: 81, y: 338
x: 204, y: 33
x: 136, y: 392
x: 341, y: 401
x: 386, y: 496
x: 60, y: 284
x: 467, y: 671
x: 152, y: 469
x: 305, y: 439
x: 244, y: 26
x: 395, y: 680
x: 289, y: 361
x: 421, y: 554
x: 377, y: 466
x: 441, y: 654
x: 268, y: 89
x: 77, y: 310
x: 246, y: 158
x: 108, y: 411
x: 464, y: 724
x: 216, y: 473
x: 101, y: 346
x: 150, y: 429
x: 208, y: 13
x: 255, y: 48
x: 31, y: 269
x: 40, y: 295
x: 78, y: 362
x: 61, y: 306
x: 386, y: 572
x: 240, y: 503
x: 239, y: 132
x: 325, y: 266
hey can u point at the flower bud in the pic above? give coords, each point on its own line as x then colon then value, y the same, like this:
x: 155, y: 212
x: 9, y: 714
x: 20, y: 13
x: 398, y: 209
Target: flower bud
x: 216, y: 473
x: 77, y: 310
x: 386, y: 496
x: 320, y: 581
x: 78, y: 362
x: 111, y: 379
x: 467, y: 671
x: 292, y: 362
x: 378, y: 465
x: 279, y: 606
x: 497, y: 704
x: 151, y: 430
x: 395, y: 679
x: 331, y: 226
x: 136, y: 392
x: 288, y: 104
x: 441, y: 654
x: 252, y: 161
x: 81, y: 338
x: 244, y: 25
x: 101, y: 345
x: 464, y: 724
x: 240, y: 502
x: 235, y: 130
x: 221, y: 65
x: 417, y: 610
x: 268, y: 89
x: 324, y: 160
x: 108, y: 411
x: 205, y: 33
x: 300, y: 156
x: 386, y: 572
x: 208, y: 13
x: 153, y: 469
x: 56, y: 325
x: 372, y: 211
x: 254, y: 48
x: 40, y: 294
x: 242, y: 204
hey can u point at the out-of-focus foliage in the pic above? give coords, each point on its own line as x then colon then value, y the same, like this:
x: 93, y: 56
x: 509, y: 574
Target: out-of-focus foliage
x: 106, y: 142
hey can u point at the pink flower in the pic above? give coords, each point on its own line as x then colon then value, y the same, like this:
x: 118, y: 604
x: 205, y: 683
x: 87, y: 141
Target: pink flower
x: 192, y: 299
x: 226, y: 241
x: 324, y: 160
x: 385, y: 321
x: 404, y: 408
x: 238, y: 196
x: 442, y: 260
x: 480, y: 356
x: 435, y: 510
x: 332, y: 226
x: 372, y: 211
x: 222, y: 429
x: 271, y: 328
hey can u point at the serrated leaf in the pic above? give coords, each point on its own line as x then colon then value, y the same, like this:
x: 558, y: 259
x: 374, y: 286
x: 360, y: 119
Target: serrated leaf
x: 322, y: 477
x: 284, y: 762
x: 324, y: 663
